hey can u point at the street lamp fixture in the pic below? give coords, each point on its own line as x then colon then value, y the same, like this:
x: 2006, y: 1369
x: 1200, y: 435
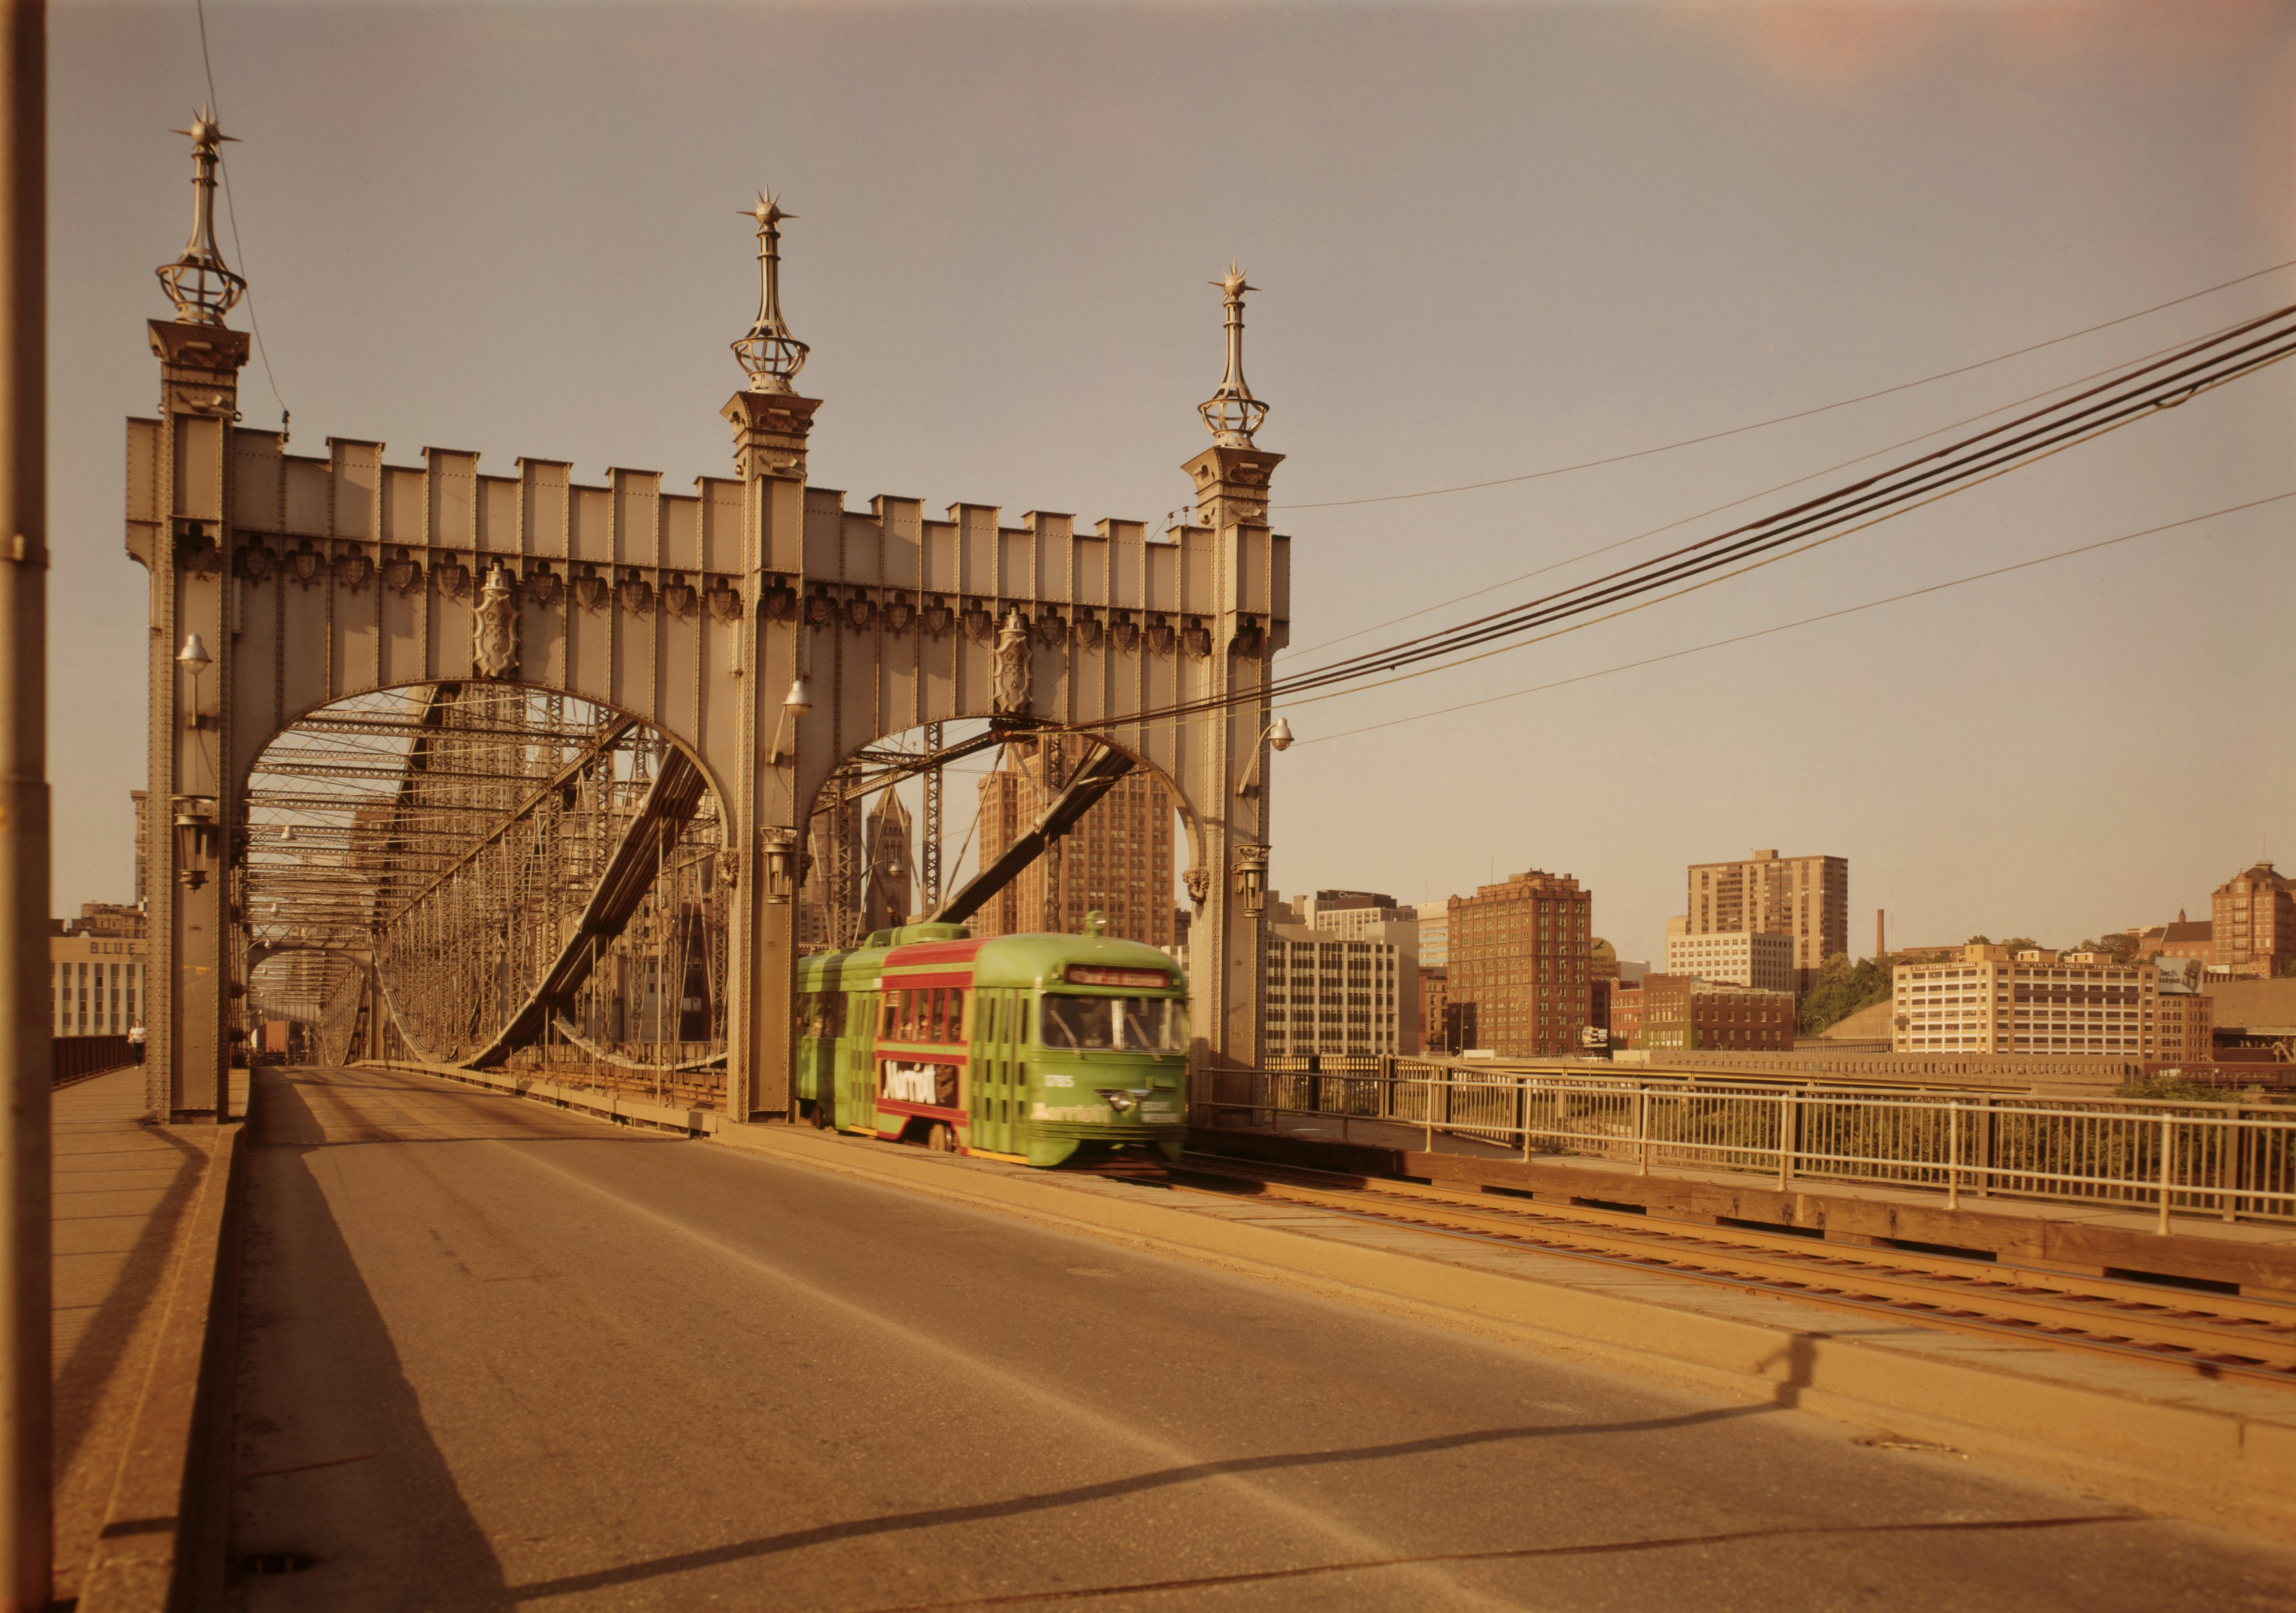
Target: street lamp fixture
x: 1276, y: 736
x: 795, y: 704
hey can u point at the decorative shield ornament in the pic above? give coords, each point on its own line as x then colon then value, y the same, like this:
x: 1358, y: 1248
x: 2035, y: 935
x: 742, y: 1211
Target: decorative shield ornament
x: 781, y: 604
x: 1198, y: 639
x: 454, y: 577
x: 543, y: 586
x: 940, y: 618
x: 403, y: 574
x: 899, y: 614
x: 820, y: 610
x: 353, y: 568
x: 253, y: 562
x: 494, y: 629
x: 1051, y: 629
x: 1159, y: 636
x: 636, y: 595
x: 979, y: 627
x: 1088, y: 630
x: 1127, y: 636
x: 678, y: 597
x: 1249, y: 637
x: 860, y: 610
x: 726, y: 601
x: 304, y: 564
x: 590, y: 591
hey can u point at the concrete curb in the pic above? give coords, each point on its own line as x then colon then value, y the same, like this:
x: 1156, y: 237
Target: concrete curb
x: 165, y: 1540
x: 2221, y: 1454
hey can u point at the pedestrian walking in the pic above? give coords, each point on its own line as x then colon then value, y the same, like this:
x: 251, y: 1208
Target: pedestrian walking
x: 136, y: 1036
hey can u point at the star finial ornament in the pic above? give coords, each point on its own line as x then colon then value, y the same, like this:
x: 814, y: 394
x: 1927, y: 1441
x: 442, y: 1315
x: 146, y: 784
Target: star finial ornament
x: 1231, y: 413
x: 769, y: 354
x: 198, y: 283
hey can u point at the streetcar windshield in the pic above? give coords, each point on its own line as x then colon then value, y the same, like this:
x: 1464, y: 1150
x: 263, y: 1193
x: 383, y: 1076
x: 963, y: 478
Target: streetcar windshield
x: 1116, y: 1024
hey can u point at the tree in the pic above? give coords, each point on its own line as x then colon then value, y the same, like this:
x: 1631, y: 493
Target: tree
x: 1840, y: 989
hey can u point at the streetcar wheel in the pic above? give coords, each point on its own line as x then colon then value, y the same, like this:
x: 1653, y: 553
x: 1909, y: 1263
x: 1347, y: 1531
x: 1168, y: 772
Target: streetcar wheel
x: 821, y: 1114
x: 942, y: 1140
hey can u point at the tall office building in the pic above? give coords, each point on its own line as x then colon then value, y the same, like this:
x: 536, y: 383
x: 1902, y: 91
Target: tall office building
x: 1804, y: 898
x: 1116, y: 859
x: 1521, y: 957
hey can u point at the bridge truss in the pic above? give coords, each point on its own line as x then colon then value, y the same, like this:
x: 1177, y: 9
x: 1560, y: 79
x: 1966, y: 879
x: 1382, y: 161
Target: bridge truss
x: 481, y: 873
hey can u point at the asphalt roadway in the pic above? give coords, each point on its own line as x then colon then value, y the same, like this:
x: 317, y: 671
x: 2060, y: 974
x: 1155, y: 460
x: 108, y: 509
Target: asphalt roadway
x: 497, y: 1355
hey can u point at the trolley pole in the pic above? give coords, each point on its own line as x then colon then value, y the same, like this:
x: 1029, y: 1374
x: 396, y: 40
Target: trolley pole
x: 25, y: 1453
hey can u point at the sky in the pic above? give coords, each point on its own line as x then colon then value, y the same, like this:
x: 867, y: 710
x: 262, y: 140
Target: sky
x: 1492, y: 242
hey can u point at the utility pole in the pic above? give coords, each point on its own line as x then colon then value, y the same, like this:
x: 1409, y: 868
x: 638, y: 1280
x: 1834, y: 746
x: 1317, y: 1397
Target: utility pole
x: 26, y: 1543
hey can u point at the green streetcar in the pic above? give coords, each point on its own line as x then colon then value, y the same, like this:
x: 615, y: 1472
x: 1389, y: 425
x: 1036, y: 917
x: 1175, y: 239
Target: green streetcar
x: 1025, y: 1048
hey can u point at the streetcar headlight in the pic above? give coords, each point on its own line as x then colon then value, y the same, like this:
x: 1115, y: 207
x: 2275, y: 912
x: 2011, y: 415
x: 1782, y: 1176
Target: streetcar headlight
x: 1117, y: 1099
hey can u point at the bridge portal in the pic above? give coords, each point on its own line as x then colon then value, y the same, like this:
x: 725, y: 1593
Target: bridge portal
x: 769, y: 633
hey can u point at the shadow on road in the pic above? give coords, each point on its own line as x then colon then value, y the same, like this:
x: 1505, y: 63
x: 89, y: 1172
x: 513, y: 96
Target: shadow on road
x: 1107, y: 1490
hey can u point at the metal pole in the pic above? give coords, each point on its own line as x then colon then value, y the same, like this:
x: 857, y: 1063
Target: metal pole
x: 25, y: 1453
x: 2167, y: 1168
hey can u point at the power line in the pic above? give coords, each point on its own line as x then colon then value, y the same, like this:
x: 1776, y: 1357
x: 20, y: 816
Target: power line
x: 231, y: 213
x: 1740, y: 638
x: 1779, y: 420
x: 2133, y: 395
x: 2117, y: 366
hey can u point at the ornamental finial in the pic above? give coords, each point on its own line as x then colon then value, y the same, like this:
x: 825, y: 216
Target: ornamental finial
x: 199, y: 285
x: 1231, y: 413
x: 769, y: 354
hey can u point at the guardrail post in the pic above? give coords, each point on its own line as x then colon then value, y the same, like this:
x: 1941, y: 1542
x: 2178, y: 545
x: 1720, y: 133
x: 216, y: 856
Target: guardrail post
x: 2167, y: 1168
x: 1953, y: 1156
x: 1642, y: 1129
x: 1785, y: 1139
x: 1523, y: 1112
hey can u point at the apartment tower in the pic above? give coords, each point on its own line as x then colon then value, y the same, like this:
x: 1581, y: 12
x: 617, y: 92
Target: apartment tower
x: 1804, y: 898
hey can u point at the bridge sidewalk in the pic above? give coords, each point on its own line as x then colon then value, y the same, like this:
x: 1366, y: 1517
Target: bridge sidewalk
x: 140, y: 1223
x: 2090, y: 1238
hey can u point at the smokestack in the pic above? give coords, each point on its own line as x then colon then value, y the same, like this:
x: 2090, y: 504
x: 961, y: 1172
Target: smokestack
x: 1881, y: 948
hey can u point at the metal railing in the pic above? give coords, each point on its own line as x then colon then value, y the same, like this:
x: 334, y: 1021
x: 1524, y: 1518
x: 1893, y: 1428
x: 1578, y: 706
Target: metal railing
x: 2227, y: 1160
x: 71, y: 1056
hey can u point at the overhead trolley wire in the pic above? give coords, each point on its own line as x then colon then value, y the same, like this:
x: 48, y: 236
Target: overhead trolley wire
x: 1779, y: 420
x: 1805, y: 621
x: 2117, y: 367
x: 2135, y: 393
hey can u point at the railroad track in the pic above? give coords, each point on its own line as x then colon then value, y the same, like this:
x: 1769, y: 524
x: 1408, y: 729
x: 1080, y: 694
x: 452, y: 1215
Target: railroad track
x: 2213, y: 1334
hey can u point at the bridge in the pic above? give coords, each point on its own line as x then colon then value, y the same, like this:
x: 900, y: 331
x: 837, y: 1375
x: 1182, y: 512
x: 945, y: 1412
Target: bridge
x: 521, y: 1289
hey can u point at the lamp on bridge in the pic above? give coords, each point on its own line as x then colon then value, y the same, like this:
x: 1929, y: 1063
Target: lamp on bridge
x: 1277, y: 736
x: 795, y: 704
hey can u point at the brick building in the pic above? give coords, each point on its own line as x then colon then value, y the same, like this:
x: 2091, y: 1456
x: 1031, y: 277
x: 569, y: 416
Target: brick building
x: 1118, y: 859
x: 1435, y: 1026
x: 2253, y: 920
x: 1805, y: 898
x: 1521, y: 957
x: 1681, y: 1012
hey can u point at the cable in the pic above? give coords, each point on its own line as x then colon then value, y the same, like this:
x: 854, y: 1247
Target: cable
x: 1779, y: 420
x: 2134, y: 395
x: 231, y: 213
x: 1907, y: 442
x: 1805, y: 621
